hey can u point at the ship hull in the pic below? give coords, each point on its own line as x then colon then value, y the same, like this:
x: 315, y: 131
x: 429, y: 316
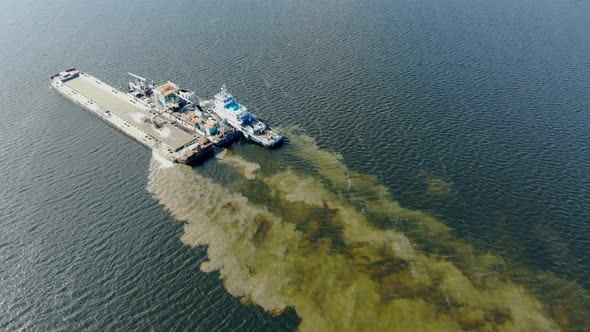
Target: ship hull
x: 248, y: 134
x: 228, y: 139
x: 197, y: 158
x: 268, y: 144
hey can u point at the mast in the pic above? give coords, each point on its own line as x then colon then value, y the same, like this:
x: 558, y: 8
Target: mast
x: 138, y: 77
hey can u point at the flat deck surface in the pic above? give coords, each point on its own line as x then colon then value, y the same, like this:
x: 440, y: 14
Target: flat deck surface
x: 135, y: 114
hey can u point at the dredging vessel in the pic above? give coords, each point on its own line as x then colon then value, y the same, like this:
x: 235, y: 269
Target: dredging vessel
x: 166, y: 118
x: 132, y: 117
x: 237, y: 116
x: 182, y: 108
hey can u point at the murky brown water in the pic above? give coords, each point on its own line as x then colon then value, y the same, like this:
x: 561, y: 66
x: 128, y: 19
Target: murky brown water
x: 297, y: 228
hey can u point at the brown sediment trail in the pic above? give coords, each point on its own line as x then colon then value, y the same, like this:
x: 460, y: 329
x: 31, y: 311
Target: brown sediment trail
x: 435, y: 184
x: 313, y: 248
x: 247, y: 168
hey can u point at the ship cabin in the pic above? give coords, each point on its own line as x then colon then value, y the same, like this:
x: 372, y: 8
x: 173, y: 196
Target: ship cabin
x: 66, y: 75
x: 209, y: 127
x: 172, y: 98
x: 230, y: 103
x: 165, y: 94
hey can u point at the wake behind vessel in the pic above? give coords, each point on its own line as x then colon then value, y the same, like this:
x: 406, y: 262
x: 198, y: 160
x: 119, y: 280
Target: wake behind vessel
x: 237, y: 116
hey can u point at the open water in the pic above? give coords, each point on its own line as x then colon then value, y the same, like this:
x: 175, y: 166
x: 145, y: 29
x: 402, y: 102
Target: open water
x: 436, y: 174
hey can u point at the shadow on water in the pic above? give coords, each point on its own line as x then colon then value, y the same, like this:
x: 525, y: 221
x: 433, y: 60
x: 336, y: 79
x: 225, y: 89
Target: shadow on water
x: 296, y: 229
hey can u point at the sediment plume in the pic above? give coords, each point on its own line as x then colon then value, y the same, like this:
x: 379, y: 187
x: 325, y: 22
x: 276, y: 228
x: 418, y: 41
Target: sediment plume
x: 310, y: 237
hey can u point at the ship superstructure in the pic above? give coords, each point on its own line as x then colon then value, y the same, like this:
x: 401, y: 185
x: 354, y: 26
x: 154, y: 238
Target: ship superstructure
x: 182, y: 108
x: 237, y: 116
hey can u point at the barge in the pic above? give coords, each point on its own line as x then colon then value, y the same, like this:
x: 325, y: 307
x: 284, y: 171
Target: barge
x: 134, y: 118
